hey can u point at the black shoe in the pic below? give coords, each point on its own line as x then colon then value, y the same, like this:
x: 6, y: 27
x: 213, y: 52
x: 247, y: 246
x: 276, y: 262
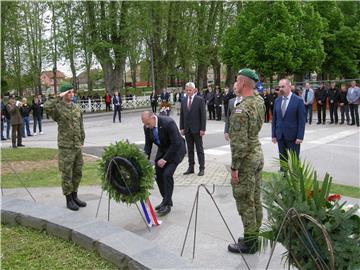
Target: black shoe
x: 164, y: 210
x: 14, y: 146
x: 3, y: 139
x: 318, y: 123
x: 201, y: 173
x: 324, y: 123
x: 158, y: 207
x: 189, y: 171
x: 249, y: 248
x: 331, y: 122
x: 352, y: 124
x: 77, y: 200
x: 341, y: 123
x: 20, y: 145
x: 70, y: 203
x: 29, y: 135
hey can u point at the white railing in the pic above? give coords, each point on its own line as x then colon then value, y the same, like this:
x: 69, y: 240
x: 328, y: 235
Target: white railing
x: 94, y: 105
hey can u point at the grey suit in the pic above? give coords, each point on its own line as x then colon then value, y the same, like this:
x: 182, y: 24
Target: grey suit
x: 192, y: 122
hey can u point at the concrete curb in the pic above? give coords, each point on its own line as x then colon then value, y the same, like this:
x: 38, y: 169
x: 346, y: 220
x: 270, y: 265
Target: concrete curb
x: 123, y: 248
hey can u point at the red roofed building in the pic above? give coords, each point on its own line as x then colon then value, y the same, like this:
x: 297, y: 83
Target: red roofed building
x: 47, y: 79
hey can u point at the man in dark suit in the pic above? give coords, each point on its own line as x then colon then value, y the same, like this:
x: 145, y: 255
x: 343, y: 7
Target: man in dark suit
x: 164, y: 132
x: 288, y: 122
x: 165, y: 96
x: 193, y: 126
x: 117, y: 106
x: 232, y: 104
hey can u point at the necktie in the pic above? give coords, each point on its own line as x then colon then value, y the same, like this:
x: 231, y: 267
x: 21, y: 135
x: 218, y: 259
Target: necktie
x: 283, y: 106
x: 306, y: 94
x: 189, y: 104
x: 156, y: 135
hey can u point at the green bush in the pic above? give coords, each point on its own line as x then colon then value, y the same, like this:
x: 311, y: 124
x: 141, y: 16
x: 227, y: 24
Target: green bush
x: 310, y: 223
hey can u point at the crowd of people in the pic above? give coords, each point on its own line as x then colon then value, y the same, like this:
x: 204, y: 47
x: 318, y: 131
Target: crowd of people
x: 339, y: 100
x: 16, y: 115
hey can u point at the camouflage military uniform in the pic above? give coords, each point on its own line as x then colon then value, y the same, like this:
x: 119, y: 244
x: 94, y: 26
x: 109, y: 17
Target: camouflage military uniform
x: 71, y: 137
x: 247, y: 157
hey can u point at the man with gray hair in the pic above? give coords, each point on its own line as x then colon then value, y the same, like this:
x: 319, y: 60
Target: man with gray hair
x: 193, y: 126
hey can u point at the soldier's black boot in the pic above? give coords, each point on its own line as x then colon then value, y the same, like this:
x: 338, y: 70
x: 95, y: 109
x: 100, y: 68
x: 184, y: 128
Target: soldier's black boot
x: 77, y: 200
x: 244, y: 245
x: 70, y: 203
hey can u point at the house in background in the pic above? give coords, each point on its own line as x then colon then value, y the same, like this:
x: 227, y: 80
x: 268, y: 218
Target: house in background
x: 96, y: 77
x: 47, y: 80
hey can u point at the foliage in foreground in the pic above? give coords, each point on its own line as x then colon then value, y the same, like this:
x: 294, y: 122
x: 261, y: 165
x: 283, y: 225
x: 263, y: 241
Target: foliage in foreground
x: 24, y: 248
x: 322, y: 225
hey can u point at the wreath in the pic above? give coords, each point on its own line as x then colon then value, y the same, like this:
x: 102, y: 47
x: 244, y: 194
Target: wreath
x: 126, y: 173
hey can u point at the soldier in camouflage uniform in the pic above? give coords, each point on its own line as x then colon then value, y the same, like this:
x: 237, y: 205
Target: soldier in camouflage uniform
x: 247, y: 161
x: 71, y: 138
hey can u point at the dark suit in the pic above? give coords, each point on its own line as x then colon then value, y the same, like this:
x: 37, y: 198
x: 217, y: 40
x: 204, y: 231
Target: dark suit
x: 165, y: 96
x: 228, y: 113
x: 192, y: 121
x: 286, y: 129
x: 171, y: 148
x: 117, y: 107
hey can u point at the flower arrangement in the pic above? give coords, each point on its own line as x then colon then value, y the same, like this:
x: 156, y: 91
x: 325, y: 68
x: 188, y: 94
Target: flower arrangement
x: 165, y: 108
x: 125, y: 167
x: 317, y: 229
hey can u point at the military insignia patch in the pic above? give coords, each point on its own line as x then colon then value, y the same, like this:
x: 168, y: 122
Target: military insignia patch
x: 238, y: 111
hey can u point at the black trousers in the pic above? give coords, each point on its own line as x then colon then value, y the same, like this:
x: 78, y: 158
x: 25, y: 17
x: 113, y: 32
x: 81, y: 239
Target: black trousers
x: 226, y: 107
x: 211, y: 110
x: 321, y: 109
x: 267, y: 113
x: 165, y: 181
x: 107, y: 108
x: 354, y: 112
x: 344, y: 110
x: 153, y: 107
x: 117, y: 109
x: 218, y: 112
x: 191, y: 139
x: 334, y: 112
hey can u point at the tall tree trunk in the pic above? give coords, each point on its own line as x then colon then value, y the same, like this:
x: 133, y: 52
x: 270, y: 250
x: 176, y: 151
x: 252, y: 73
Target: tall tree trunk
x: 230, y: 76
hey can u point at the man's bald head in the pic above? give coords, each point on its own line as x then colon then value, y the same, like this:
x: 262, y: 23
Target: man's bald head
x: 149, y: 119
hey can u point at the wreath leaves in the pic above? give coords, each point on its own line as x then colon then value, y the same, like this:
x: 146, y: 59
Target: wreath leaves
x: 138, y: 159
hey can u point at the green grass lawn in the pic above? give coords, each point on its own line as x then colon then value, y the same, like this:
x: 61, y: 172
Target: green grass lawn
x: 50, y: 177
x: 24, y: 248
x: 30, y: 154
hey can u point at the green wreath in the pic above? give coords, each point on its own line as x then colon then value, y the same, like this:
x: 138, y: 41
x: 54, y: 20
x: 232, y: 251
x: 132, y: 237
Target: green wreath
x: 142, y: 165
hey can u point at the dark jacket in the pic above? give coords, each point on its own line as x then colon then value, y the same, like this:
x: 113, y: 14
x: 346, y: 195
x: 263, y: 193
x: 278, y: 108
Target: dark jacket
x: 165, y: 96
x: 210, y: 98
x: 342, y: 97
x: 218, y: 100
x: 36, y: 109
x: 154, y: 99
x: 334, y: 95
x: 117, y: 102
x: 172, y: 145
x: 193, y: 120
x: 227, y: 97
x: 321, y: 94
x: 25, y: 110
x: 291, y: 126
x: 15, y: 114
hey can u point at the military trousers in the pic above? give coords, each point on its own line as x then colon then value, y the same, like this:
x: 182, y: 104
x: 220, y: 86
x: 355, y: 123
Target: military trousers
x: 70, y: 166
x: 247, y: 194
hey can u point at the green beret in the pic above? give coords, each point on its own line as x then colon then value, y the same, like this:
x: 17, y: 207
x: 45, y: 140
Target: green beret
x: 65, y: 87
x: 249, y: 73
